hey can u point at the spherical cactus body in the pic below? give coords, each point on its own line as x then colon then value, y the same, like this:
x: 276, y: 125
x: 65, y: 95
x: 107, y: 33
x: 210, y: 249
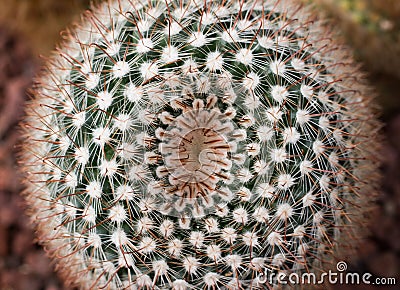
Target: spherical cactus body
x: 191, y: 144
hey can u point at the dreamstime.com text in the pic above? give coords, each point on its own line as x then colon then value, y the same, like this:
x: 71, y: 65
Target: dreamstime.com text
x: 331, y: 277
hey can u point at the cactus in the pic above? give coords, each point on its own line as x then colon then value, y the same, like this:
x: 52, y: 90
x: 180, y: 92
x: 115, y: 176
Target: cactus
x: 197, y: 145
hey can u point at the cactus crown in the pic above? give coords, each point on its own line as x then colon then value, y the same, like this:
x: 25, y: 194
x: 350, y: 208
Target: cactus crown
x: 195, y: 144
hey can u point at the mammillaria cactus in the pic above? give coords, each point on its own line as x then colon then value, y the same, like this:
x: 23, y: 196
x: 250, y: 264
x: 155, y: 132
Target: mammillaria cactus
x: 198, y: 145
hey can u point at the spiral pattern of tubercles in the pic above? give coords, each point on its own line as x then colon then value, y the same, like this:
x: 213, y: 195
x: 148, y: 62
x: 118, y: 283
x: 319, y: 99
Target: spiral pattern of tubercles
x: 192, y: 144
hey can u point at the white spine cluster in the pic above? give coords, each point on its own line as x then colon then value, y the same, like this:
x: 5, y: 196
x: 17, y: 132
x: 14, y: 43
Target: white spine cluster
x: 193, y: 144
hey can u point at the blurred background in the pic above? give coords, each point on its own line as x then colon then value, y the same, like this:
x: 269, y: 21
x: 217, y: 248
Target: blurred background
x: 29, y: 30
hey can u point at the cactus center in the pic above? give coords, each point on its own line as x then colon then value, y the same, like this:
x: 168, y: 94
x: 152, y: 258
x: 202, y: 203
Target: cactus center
x: 200, y: 151
x: 195, y: 152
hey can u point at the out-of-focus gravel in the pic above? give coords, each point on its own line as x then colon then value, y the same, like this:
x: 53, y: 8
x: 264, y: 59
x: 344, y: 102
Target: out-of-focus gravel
x: 23, y: 264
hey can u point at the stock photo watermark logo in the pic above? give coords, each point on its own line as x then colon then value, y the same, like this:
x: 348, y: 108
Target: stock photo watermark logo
x: 340, y: 276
